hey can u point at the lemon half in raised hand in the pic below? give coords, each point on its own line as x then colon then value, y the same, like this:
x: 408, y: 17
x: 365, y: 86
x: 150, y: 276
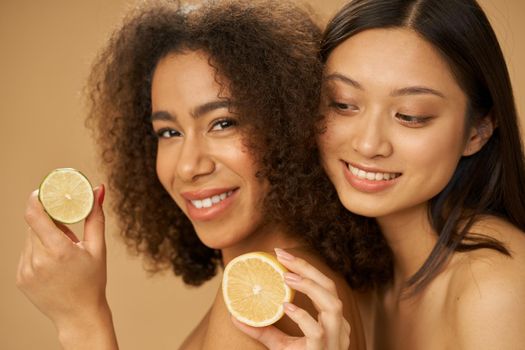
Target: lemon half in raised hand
x: 254, y: 290
x: 66, y: 195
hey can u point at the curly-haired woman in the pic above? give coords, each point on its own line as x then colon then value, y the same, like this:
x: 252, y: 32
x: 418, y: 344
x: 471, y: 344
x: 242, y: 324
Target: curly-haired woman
x: 206, y: 119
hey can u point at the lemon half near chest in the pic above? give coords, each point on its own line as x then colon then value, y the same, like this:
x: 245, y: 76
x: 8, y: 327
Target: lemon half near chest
x: 254, y: 290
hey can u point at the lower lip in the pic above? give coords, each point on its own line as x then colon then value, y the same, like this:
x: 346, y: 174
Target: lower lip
x: 365, y: 185
x: 211, y: 213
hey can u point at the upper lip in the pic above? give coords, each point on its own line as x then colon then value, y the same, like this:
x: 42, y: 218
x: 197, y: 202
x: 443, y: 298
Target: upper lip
x: 205, y: 193
x: 371, y: 169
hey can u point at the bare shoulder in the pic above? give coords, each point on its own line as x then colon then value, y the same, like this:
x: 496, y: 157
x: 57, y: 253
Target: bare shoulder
x: 511, y: 237
x: 194, y: 340
x: 486, y: 295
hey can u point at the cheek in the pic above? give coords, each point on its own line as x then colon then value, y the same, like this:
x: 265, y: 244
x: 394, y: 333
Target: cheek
x: 334, y: 144
x: 329, y: 140
x: 434, y: 157
x: 164, y: 167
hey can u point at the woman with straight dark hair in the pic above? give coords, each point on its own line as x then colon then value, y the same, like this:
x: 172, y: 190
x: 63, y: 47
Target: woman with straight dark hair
x: 421, y: 136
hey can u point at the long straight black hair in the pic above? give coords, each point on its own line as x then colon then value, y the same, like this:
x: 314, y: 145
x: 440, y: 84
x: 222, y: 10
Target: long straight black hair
x: 490, y: 182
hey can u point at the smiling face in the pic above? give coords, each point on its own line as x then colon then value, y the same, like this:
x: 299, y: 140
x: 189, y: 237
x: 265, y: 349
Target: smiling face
x: 201, y: 159
x: 395, y: 122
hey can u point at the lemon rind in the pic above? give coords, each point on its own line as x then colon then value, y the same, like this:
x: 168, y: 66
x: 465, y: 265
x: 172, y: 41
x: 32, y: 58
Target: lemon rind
x: 270, y: 259
x: 91, y: 197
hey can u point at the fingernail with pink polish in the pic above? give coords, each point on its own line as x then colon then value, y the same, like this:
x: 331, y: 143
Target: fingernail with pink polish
x: 283, y: 254
x: 292, y: 277
x: 101, y: 194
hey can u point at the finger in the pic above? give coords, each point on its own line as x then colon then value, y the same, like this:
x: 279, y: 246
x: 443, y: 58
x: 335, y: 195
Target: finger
x: 345, y: 335
x: 305, y: 269
x: 329, y: 306
x: 67, y: 232
x: 39, y: 253
x: 95, y: 223
x: 270, y: 336
x: 41, y: 224
x: 311, y: 329
x: 24, y: 263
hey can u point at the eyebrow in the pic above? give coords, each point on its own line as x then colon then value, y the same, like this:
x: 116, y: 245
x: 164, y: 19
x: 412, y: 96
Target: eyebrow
x: 344, y: 79
x: 195, y: 113
x: 416, y: 90
x: 411, y: 90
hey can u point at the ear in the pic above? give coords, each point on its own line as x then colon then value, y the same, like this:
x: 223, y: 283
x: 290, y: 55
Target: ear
x: 479, y: 135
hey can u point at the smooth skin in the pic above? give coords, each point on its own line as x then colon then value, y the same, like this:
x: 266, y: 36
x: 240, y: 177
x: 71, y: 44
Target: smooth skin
x: 201, y: 148
x: 65, y: 277
x: 396, y: 114
x: 200, y: 154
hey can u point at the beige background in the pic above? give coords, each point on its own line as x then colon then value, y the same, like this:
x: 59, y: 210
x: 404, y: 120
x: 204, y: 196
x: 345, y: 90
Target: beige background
x: 45, y: 51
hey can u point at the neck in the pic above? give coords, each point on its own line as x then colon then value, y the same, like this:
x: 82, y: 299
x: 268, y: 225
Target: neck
x: 411, y: 239
x: 265, y: 239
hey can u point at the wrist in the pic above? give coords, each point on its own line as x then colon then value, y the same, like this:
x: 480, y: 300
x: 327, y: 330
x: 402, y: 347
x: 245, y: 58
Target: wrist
x: 92, y: 330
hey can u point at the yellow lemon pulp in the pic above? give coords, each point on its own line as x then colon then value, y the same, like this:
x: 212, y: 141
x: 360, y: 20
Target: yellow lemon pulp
x: 66, y: 195
x: 254, y: 290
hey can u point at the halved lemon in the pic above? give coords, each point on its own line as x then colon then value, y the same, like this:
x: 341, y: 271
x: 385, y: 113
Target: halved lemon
x: 66, y: 195
x: 254, y: 290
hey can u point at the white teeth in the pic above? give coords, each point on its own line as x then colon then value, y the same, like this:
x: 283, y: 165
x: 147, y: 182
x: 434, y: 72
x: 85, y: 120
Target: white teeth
x: 371, y: 176
x: 209, y: 202
x: 206, y: 203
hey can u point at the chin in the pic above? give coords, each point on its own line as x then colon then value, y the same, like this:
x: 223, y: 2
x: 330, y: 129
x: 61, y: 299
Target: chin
x: 217, y: 240
x: 371, y: 211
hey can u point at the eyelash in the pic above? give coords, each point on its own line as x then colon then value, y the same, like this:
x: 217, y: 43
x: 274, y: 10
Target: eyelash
x: 342, y: 107
x: 229, y: 121
x: 172, y: 133
x: 412, y: 120
x: 225, y: 123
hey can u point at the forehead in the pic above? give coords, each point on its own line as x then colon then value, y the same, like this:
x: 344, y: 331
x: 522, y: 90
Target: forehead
x: 188, y: 76
x: 391, y: 57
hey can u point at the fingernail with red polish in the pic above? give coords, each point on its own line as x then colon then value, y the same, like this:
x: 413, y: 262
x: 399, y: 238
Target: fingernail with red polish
x: 289, y: 307
x: 101, y: 194
x: 283, y: 255
x: 292, y: 277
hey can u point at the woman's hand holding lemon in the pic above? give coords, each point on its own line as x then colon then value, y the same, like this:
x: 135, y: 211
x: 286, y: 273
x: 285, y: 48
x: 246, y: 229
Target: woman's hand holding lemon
x: 65, y: 277
x: 329, y: 332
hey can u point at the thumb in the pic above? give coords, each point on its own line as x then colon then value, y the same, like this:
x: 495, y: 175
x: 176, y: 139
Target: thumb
x: 269, y: 336
x: 94, y: 226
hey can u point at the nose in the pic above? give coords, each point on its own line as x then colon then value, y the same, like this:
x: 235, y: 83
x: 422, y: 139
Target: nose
x: 194, y: 160
x: 371, y: 137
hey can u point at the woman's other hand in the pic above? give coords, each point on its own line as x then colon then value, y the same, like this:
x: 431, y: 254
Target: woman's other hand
x: 65, y: 277
x: 329, y: 332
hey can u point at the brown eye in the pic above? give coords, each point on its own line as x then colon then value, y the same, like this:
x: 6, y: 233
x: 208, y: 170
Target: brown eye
x: 343, y: 107
x: 167, y: 133
x: 223, y: 124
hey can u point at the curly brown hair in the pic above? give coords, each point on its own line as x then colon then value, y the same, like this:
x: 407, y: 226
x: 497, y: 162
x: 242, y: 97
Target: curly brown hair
x: 267, y: 51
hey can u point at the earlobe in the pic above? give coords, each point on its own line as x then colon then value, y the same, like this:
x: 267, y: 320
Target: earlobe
x: 479, y: 135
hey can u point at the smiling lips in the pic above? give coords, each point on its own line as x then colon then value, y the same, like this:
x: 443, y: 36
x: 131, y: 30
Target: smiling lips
x: 369, y: 181
x: 210, y: 201
x: 205, y: 205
